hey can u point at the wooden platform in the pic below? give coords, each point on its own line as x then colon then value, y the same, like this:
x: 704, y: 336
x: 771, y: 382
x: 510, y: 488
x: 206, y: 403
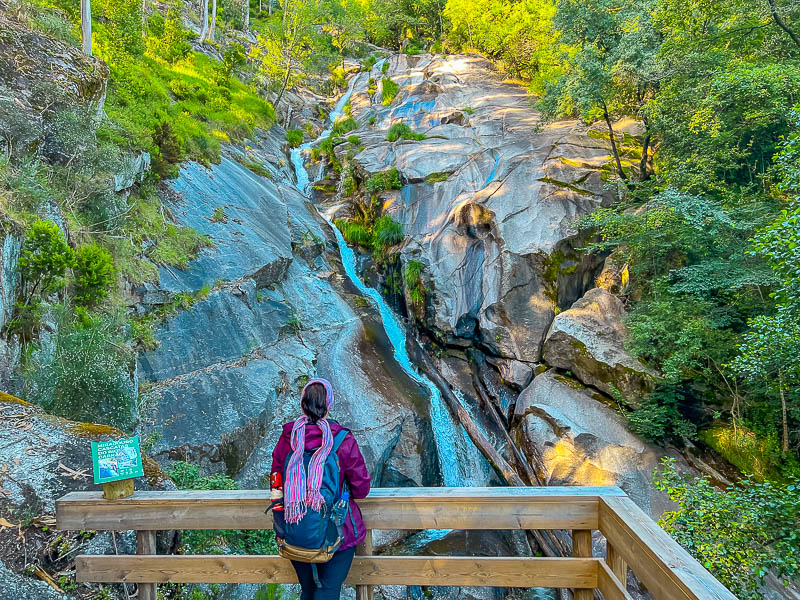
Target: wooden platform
x: 633, y: 540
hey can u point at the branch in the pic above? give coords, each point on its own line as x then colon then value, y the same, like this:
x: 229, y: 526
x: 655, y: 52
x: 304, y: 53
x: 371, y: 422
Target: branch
x: 781, y: 23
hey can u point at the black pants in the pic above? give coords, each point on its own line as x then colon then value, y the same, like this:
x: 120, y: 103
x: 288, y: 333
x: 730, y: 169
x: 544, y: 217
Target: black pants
x: 331, y: 576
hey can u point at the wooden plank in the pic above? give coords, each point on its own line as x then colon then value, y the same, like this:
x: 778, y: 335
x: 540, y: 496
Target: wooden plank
x: 582, y: 548
x: 146, y: 544
x: 616, y: 563
x: 388, y: 508
x: 114, y: 490
x: 609, y: 585
x: 387, y: 570
x: 365, y: 592
x: 666, y: 569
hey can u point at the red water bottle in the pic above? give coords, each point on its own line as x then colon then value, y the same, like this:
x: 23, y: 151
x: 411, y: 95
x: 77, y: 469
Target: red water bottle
x: 276, y: 491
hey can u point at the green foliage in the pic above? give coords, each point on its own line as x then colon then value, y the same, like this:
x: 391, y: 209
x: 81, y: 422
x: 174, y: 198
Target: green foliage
x: 44, y: 259
x: 387, y: 231
x: 85, y: 374
x: 412, y: 280
x: 294, y: 137
x: 754, y: 455
x: 344, y: 126
x: 385, y: 67
x: 355, y: 233
x: 389, y: 90
x: 657, y: 417
x: 259, y: 541
x: 233, y: 58
x: 402, y: 131
x: 168, y: 151
x: 354, y: 139
x: 166, y: 37
x: 94, y: 274
x: 739, y: 534
x: 383, y: 181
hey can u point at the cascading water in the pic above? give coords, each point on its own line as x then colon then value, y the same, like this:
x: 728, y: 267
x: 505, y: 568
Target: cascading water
x: 447, y: 434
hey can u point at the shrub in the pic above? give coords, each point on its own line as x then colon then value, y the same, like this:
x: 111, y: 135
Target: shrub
x: 294, y: 137
x: 166, y: 38
x: 181, y: 89
x: 388, y: 232
x: 85, y: 375
x: 412, y: 279
x: 354, y: 233
x: 44, y: 259
x: 657, y: 417
x: 389, y: 90
x: 233, y: 58
x: 385, y: 66
x: 94, y: 274
x: 316, y: 153
x: 372, y: 87
x: 369, y: 62
x: 344, y: 126
x: 372, y: 120
x: 381, y: 182
x: 401, y: 131
x: 169, y: 150
x: 354, y: 139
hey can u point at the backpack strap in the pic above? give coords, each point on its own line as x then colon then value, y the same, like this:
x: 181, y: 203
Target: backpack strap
x: 338, y: 439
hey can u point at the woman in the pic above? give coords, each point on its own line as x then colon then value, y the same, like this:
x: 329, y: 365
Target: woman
x: 309, y: 432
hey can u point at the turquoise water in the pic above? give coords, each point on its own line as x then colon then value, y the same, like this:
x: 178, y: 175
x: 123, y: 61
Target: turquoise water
x: 445, y: 431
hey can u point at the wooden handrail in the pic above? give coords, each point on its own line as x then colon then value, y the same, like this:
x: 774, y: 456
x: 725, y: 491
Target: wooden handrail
x: 633, y: 540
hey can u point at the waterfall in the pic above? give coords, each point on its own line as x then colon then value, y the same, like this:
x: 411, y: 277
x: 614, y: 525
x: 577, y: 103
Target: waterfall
x: 451, y: 445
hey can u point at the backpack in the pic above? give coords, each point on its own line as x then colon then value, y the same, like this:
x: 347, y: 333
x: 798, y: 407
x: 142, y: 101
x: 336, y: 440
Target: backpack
x: 319, y: 533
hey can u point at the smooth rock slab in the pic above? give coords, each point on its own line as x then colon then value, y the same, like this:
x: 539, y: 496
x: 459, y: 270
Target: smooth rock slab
x: 589, y: 340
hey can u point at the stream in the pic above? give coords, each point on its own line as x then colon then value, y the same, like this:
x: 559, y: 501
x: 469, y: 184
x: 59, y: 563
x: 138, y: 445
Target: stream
x: 449, y: 436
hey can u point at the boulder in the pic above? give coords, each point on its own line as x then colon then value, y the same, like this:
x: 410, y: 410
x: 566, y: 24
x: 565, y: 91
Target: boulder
x: 514, y: 372
x: 581, y: 440
x: 589, y: 341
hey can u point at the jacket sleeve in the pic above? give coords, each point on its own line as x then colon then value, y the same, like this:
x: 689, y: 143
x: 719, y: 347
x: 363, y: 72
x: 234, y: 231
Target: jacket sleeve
x: 355, y: 470
x: 279, y: 454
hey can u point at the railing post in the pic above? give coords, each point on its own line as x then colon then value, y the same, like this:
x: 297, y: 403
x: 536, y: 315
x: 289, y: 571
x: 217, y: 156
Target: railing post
x: 582, y: 548
x: 146, y: 544
x: 365, y: 592
x: 617, y: 564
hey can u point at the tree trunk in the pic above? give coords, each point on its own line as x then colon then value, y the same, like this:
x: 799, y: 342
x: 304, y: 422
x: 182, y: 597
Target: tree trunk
x: 213, y: 20
x: 784, y: 415
x: 260, y: 8
x: 644, y: 173
x: 551, y: 543
x: 613, y: 142
x: 269, y: 7
x: 204, y: 29
x: 781, y: 23
x: 283, y: 87
x: 245, y: 15
x: 86, y: 26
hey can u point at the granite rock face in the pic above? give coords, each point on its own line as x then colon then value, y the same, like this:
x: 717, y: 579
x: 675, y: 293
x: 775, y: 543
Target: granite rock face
x: 489, y: 199
x: 582, y: 441
x: 228, y: 371
x: 588, y: 339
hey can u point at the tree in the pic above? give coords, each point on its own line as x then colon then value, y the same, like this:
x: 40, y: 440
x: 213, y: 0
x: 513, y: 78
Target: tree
x: 739, y: 534
x: 343, y: 22
x: 44, y: 259
x: 281, y: 53
x: 213, y: 20
x: 86, y: 26
x: 204, y: 18
x: 94, y: 274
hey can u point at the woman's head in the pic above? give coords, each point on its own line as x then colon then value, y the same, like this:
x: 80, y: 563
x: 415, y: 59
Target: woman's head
x: 316, y: 399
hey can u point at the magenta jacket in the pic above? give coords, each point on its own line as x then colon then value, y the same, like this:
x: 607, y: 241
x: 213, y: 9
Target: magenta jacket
x: 352, y: 469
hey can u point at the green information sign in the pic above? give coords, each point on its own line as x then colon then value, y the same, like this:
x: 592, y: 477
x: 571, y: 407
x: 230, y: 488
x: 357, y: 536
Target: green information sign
x: 116, y: 459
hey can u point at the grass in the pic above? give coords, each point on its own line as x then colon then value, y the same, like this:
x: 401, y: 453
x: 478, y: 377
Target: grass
x: 437, y: 177
x: 344, y: 126
x: 294, y: 137
x: 388, y: 232
x: 203, y: 115
x: 384, y: 181
x: 401, y: 131
x: 389, y: 90
x: 354, y: 139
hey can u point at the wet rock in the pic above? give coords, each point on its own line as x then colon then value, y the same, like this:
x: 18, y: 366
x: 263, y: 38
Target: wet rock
x: 514, y: 372
x: 589, y: 340
x: 582, y: 441
x: 497, y: 234
x: 12, y: 235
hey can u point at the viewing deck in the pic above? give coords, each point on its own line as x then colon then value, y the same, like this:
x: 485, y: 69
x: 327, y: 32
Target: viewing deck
x: 633, y: 541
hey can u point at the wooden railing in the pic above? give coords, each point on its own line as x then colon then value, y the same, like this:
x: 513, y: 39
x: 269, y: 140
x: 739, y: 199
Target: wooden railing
x: 633, y: 540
